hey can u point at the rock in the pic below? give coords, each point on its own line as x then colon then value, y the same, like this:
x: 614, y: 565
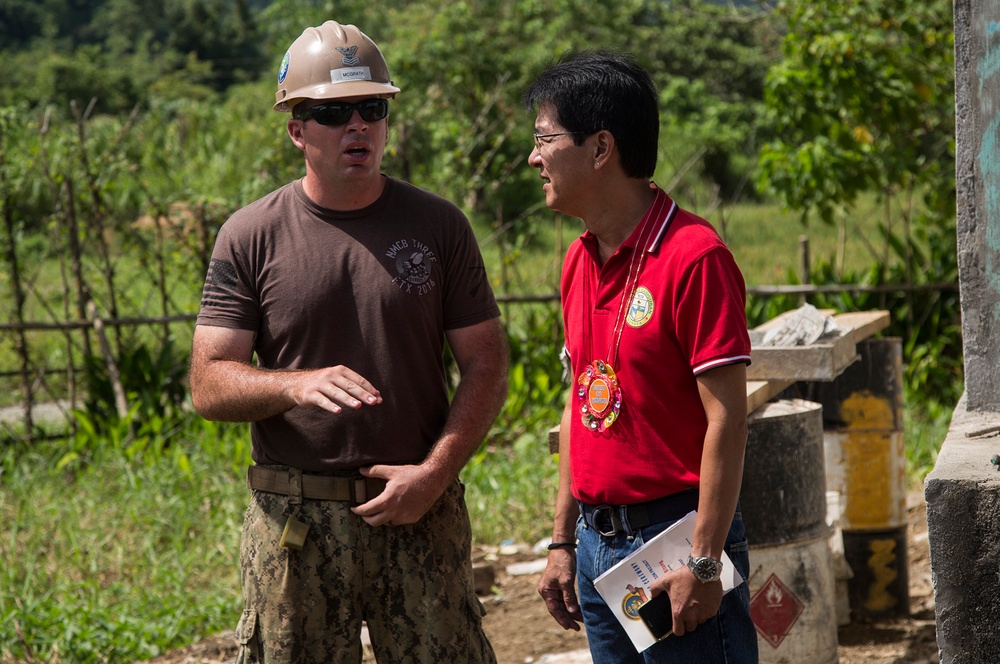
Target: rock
x: 484, y: 577
x: 529, y: 567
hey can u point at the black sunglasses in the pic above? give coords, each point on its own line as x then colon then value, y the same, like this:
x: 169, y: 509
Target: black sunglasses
x: 340, y: 112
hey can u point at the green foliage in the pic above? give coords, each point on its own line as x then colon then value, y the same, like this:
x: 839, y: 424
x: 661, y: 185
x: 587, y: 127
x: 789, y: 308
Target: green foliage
x: 458, y: 127
x: 224, y: 154
x: 123, y: 559
x: 514, y: 467
x: 282, y: 21
x: 153, y: 381
x: 466, y: 135
x: 710, y: 63
x: 925, y: 427
x: 117, y: 50
x: 510, y: 490
x: 468, y: 113
x: 23, y: 21
x: 863, y: 101
x: 536, y: 389
x: 155, y: 391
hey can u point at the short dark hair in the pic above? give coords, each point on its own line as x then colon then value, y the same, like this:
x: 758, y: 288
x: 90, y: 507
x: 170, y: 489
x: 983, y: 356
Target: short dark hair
x: 596, y: 90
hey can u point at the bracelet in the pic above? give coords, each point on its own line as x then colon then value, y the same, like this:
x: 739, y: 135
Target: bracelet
x: 562, y: 545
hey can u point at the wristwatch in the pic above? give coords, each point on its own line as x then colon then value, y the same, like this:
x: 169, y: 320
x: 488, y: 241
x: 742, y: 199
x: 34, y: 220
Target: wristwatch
x: 705, y: 569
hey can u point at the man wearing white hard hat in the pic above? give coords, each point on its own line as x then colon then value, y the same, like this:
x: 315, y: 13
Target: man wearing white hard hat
x: 345, y: 285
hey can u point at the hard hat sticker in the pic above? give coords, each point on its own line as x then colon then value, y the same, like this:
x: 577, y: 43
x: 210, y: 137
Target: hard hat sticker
x: 348, y: 74
x: 350, y: 59
x: 283, y: 69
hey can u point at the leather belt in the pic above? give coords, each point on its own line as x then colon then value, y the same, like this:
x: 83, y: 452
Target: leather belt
x: 354, y: 489
x: 610, y: 520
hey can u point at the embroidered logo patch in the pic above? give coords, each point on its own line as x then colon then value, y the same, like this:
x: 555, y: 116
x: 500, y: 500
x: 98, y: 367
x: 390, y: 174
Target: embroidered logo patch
x: 350, y: 59
x: 640, y: 310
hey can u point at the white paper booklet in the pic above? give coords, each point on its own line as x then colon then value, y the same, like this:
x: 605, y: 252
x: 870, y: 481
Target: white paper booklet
x: 625, y: 587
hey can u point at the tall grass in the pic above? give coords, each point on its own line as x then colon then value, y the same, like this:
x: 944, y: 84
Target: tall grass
x: 764, y: 239
x: 121, y: 553
x: 510, y: 490
x: 925, y: 425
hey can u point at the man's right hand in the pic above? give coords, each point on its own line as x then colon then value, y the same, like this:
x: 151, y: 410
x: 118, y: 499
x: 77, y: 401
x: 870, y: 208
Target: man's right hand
x: 226, y: 386
x: 557, y: 587
x: 332, y: 388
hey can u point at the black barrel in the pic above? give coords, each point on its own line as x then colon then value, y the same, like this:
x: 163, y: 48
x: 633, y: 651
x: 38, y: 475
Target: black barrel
x: 784, y: 483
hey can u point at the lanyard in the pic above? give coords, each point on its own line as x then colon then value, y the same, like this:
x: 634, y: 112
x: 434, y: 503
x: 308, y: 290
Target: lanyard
x: 598, y: 386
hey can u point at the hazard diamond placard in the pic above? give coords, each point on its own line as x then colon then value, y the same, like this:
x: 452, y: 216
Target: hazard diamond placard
x: 774, y: 609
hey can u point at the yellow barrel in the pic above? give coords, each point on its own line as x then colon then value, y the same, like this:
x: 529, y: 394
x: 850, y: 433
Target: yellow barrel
x: 866, y: 463
x: 865, y: 457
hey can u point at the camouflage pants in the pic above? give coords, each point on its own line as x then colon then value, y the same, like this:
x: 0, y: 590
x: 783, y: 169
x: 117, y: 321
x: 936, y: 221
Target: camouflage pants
x: 412, y: 585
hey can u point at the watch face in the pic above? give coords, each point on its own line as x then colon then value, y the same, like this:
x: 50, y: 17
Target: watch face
x: 706, y: 569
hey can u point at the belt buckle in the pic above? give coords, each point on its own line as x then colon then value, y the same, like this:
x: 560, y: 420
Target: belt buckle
x: 358, y: 489
x: 600, y: 509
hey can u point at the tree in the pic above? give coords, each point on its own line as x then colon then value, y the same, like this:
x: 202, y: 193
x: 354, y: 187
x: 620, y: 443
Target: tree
x: 471, y: 62
x: 60, y: 22
x: 710, y: 63
x: 119, y: 50
x: 465, y: 66
x: 863, y: 101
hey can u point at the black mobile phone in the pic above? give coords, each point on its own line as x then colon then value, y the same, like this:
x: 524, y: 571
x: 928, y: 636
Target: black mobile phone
x: 657, y: 615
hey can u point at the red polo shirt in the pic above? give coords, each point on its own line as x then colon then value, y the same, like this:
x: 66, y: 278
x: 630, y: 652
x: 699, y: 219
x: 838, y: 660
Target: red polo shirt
x: 687, y: 316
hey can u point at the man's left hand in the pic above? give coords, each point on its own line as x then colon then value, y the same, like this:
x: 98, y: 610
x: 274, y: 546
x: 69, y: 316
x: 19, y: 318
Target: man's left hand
x: 410, y: 491
x: 693, y: 602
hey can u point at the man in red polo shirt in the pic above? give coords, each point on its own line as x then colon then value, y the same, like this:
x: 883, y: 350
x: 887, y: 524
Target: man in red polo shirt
x: 657, y: 347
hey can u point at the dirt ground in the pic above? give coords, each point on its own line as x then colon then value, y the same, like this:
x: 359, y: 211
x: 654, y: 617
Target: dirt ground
x: 521, y: 631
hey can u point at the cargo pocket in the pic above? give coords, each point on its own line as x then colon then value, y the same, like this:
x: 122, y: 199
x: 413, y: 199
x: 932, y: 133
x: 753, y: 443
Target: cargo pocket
x: 478, y: 608
x: 248, y: 638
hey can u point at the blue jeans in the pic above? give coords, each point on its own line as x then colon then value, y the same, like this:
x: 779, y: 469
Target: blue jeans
x: 727, y: 638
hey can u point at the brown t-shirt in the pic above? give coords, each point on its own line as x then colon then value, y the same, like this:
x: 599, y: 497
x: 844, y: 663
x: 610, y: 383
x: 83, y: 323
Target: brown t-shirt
x: 372, y: 289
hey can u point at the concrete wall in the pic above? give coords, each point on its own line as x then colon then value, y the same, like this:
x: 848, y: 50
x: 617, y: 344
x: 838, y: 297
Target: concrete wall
x: 963, y: 491
x: 963, y: 526
x: 977, y: 92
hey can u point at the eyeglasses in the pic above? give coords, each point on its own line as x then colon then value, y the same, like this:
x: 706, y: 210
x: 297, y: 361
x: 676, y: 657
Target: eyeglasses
x: 539, y: 137
x: 340, y: 112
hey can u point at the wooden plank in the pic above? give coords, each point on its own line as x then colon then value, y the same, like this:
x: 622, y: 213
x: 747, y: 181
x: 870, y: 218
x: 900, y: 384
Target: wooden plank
x: 759, y: 392
x: 822, y: 361
x: 864, y: 323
